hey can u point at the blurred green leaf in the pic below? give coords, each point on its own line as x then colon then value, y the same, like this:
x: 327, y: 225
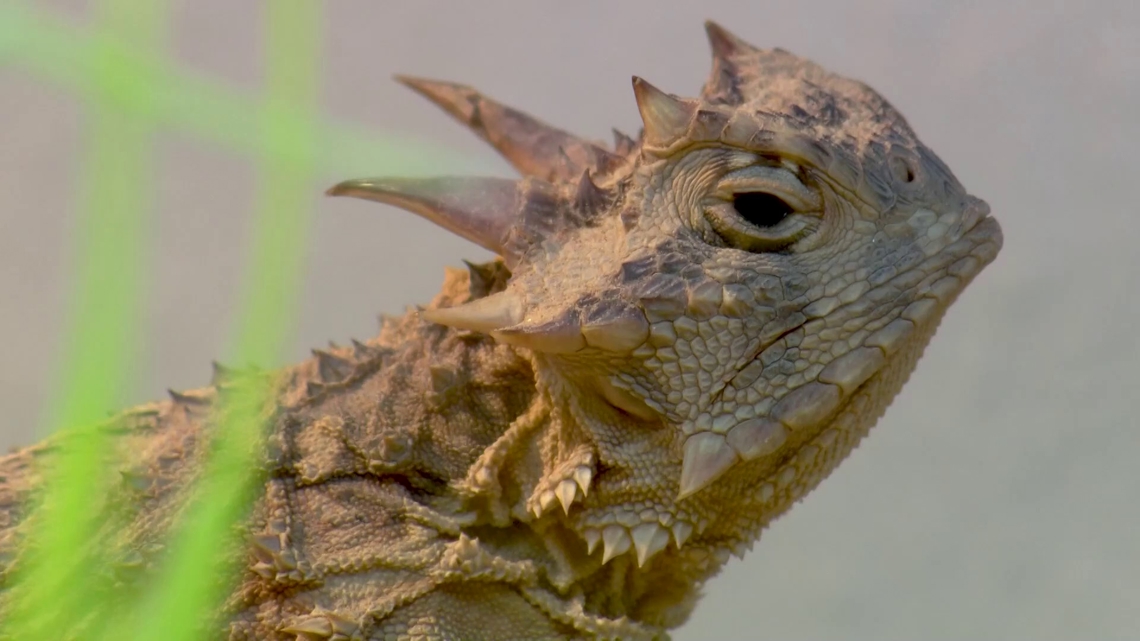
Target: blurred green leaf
x: 66, y: 583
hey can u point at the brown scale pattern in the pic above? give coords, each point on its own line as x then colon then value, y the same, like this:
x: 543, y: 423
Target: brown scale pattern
x: 570, y: 441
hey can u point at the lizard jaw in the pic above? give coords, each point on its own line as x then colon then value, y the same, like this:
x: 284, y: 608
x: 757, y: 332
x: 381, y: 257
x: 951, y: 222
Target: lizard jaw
x: 801, y: 419
x: 710, y: 454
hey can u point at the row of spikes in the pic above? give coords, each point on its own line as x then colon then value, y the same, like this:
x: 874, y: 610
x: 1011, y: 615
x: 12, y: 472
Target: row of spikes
x: 539, y: 150
x: 508, y: 217
x: 331, y: 367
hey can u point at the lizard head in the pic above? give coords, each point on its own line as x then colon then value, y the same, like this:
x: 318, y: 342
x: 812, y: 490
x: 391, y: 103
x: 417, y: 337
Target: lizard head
x: 718, y: 310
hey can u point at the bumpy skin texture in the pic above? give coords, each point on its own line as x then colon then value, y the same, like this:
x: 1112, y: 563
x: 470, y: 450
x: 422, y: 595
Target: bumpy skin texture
x: 685, y: 335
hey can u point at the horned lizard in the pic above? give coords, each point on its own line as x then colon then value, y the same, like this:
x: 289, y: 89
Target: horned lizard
x: 683, y: 335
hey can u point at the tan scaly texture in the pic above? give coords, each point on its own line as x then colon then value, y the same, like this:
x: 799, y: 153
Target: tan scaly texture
x: 686, y: 333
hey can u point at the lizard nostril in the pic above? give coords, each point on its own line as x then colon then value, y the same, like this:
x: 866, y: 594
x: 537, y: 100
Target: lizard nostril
x: 902, y: 170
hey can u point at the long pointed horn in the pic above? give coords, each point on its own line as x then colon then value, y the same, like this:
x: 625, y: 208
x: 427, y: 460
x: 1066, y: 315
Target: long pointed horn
x: 482, y: 210
x: 530, y: 145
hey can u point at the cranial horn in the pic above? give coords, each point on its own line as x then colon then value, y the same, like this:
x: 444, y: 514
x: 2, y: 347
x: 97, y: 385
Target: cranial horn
x: 725, y: 45
x: 724, y: 79
x: 486, y: 315
x: 482, y: 210
x: 531, y: 146
x: 666, y: 117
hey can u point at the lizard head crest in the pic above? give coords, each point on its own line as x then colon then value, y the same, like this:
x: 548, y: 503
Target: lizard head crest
x: 727, y: 302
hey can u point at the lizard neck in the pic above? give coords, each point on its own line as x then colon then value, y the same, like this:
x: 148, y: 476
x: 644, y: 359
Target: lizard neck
x: 567, y: 481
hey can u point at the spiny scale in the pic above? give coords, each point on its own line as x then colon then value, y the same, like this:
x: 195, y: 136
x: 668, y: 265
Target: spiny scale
x: 588, y: 196
x: 332, y: 368
x: 707, y: 456
x: 615, y: 541
x: 623, y: 144
x: 648, y: 540
x: 489, y: 314
x: 560, y: 336
x: 666, y: 117
x: 567, y: 491
x: 723, y: 84
x: 725, y: 45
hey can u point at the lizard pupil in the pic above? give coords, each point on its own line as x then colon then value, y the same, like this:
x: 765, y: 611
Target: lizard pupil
x: 760, y: 208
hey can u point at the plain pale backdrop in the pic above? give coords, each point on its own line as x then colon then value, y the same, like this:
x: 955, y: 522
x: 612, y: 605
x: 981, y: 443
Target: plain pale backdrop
x: 1000, y: 496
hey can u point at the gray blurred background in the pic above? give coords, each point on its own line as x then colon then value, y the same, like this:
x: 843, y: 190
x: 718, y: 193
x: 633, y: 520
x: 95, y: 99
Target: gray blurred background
x: 999, y: 498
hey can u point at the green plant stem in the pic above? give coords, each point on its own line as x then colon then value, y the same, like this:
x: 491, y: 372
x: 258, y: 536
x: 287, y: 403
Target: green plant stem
x: 191, y: 591
x: 59, y: 577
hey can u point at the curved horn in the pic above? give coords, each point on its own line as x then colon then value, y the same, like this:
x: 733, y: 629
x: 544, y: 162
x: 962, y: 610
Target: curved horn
x: 482, y: 210
x: 502, y: 215
x: 530, y: 145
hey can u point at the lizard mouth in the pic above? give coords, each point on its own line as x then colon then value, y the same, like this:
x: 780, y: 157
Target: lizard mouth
x: 822, y: 393
x: 883, y: 360
x: 739, y: 378
x: 977, y: 242
x: 951, y: 269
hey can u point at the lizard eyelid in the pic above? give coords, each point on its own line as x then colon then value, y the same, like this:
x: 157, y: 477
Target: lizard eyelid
x: 762, y: 208
x: 743, y: 232
x: 777, y: 181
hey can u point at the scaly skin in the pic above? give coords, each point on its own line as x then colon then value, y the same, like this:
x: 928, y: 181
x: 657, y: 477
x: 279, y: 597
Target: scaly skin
x: 569, y: 442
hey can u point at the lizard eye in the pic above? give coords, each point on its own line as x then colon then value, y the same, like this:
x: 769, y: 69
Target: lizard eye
x: 762, y: 208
